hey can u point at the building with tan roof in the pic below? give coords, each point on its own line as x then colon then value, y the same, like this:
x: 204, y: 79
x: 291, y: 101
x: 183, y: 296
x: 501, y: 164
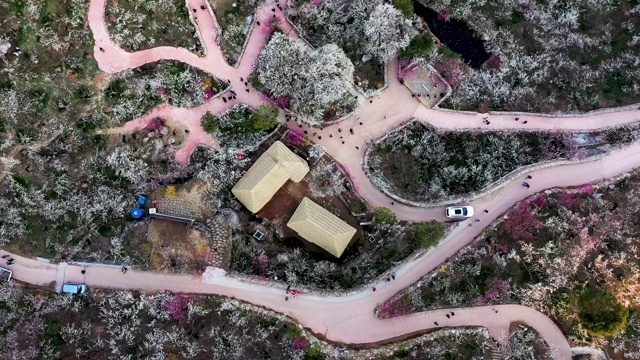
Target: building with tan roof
x: 269, y: 173
x: 319, y: 226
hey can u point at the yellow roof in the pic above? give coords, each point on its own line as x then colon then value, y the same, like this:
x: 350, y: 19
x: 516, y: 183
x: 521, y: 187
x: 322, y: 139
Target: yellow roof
x: 277, y: 165
x: 319, y: 226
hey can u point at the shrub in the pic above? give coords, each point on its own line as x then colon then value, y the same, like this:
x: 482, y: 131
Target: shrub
x: 264, y: 118
x: 405, y: 7
x: 384, y: 215
x: 521, y: 224
x: 600, y: 313
x: 420, y: 46
x: 445, y: 51
x: 358, y: 206
x: 428, y: 234
x: 313, y: 352
x: 209, y: 122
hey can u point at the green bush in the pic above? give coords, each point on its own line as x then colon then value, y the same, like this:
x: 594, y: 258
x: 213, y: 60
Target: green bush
x: 313, y: 352
x: 209, y: 122
x: 420, y: 46
x: 21, y: 181
x: 428, y: 234
x: 53, y: 333
x: 358, y: 206
x: 445, y: 51
x: 405, y: 7
x: 600, y: 313
x: 384, y: 215
x: 264, y: 118
x: 106, y: 230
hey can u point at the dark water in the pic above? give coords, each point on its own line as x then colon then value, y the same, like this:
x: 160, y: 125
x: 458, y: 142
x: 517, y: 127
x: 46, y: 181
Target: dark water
x: 456, y: 34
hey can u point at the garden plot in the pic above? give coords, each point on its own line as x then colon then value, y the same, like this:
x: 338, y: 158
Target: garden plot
x: 160, y: 325
x: 235, y: 18
x: 419, y: 163
x: 131, y: 93
x: 135, y: 25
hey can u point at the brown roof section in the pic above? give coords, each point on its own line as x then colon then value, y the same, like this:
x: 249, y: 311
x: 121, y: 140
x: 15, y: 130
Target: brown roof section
x: 319, y: 226
x: 277, y: 165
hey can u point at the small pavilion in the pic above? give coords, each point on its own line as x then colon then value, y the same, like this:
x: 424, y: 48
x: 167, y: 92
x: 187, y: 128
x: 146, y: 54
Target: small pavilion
x: 319, y: 226
x: 269, y: 173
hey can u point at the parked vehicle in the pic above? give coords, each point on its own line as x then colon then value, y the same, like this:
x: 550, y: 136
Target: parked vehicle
x: 459, y: 212
x: 73, y: 288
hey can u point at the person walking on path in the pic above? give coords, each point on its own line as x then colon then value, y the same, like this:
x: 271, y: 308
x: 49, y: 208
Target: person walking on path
x: 526, y: 184
x: 83, y: 271
x: 124, y: 269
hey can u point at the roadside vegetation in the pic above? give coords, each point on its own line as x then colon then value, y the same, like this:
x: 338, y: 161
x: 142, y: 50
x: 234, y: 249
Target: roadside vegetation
x: 445, y: 344
x: 123, y: 324
x: 137, y: 25
x: 549, y: 56
x: 570, y: 254
x: 420, y: 163
x: 131, y: 93
x: 241, y: 127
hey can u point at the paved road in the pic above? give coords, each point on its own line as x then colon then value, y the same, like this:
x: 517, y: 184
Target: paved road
x: 348, y: 319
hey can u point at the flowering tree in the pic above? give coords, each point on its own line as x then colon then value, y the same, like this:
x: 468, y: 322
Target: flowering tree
x: 312, y: 81
x: 521, y: 223
x: 387, y: 31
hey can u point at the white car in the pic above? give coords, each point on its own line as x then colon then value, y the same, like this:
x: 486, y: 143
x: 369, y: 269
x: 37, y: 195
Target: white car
x: 459, y: 212
x: 73, y: 288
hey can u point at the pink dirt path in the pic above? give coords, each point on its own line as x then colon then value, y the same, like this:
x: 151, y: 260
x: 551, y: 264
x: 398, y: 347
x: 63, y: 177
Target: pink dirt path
x: 347, y: 319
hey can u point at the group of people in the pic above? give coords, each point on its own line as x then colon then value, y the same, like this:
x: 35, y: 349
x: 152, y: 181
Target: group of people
x: 293, y: 293
x: 9, y: 259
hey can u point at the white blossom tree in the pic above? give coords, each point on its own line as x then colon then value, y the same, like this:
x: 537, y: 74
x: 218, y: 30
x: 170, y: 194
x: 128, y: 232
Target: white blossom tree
x: 312, y: 80
x: 387, y: 31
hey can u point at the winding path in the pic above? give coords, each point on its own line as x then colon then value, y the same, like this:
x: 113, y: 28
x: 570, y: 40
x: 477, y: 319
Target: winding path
x: 349, y: 318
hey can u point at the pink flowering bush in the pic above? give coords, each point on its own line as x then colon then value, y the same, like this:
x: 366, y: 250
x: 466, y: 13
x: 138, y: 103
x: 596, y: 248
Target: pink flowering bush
x: 177, y: 306
x: 283, y: 101
x: 502, y: 247
x: 494, y: 61
x: 156, y: 123
x: 209, y: 93
x: 262, y: 264
x: 396, y: 306
x: 539, y: 201
x: 292, y: 138
x: 449, y: 69
x: 521, y: 224
x: 407, y: 69
x: 300, y: 343
x: 443, y: 14
x: 497, y: 288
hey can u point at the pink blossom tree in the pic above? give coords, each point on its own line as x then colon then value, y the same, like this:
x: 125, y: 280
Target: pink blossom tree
x: 521, y: 224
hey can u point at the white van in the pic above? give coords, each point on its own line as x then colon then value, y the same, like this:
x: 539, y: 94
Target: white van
x: 73, y: 288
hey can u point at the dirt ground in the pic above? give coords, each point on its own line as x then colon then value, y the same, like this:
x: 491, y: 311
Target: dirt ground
x: 176, y: 248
